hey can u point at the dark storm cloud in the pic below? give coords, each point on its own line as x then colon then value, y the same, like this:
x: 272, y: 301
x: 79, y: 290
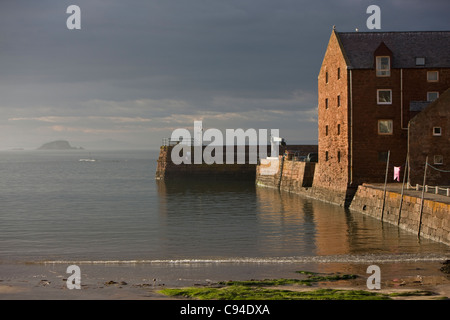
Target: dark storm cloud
x: 162, y: 64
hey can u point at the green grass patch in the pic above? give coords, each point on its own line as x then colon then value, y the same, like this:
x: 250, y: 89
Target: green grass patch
x: 237, y: 292
x: 258, y: 290
x: 309, y: 280
x: 411, y: 293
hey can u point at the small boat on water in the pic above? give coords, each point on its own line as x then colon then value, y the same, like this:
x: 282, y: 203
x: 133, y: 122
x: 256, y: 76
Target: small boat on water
x: 90, y: 159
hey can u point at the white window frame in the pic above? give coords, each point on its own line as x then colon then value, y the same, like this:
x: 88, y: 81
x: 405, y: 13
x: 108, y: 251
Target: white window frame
x: 378, y: 96
x: 438, y: 159
x: 437, y: 134
x: 430, y: 73
x: 383, y: 72
x: 390, y: 126
x: 432, y: 92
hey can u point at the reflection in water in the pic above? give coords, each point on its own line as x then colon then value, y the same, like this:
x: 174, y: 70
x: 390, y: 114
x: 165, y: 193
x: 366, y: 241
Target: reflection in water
x: 334, y: 230
x: 289, y: 220
x: 203, y: 219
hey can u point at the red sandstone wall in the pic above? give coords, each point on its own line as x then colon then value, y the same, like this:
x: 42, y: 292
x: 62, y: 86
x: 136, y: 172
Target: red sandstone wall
x: 367, y: 142
x: 333, y: 173
x: 423, y: 143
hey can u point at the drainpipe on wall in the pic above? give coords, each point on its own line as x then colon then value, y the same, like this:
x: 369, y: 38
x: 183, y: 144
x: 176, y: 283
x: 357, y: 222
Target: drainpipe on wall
x: 408, y: 158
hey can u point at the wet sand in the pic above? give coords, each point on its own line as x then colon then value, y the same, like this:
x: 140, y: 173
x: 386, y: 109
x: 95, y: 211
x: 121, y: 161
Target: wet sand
x: 142, y: 282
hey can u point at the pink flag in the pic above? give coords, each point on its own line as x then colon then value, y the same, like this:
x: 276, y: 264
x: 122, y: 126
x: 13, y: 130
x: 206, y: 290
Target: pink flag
x: 397, y: 174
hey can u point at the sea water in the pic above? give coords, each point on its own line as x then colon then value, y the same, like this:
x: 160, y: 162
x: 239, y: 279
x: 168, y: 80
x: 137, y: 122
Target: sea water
x: 57, y: 209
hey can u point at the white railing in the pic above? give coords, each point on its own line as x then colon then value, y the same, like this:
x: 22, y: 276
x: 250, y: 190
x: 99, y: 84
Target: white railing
x: 445, y: 191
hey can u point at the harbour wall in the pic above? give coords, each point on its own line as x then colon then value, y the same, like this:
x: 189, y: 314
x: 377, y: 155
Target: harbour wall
x: 298, y: 177
x: 432, y: 220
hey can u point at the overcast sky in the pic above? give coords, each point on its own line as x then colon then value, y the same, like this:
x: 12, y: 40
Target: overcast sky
x: 138, y: 69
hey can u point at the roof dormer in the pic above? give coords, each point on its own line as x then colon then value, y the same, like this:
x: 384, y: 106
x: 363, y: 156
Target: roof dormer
x: 383, y: 60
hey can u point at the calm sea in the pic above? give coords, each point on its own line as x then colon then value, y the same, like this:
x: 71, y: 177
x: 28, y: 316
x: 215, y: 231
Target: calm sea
x: 54, y: 207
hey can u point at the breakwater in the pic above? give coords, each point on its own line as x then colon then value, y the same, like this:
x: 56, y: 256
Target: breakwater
x: 166, y: 169
x: 429, y: 220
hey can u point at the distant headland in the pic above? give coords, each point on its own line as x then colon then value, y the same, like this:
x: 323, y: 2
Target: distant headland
x: 58, y: 145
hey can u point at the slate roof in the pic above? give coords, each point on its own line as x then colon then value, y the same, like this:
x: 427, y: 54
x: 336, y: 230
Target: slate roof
x: 440, y: 106
x: 418, y: 105
x: 405, y: 46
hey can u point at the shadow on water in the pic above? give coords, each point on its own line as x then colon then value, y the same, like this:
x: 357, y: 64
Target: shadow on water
x: 203, y: 185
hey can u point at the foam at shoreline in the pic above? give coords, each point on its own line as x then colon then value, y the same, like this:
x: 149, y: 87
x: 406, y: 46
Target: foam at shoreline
x: 365, y: 258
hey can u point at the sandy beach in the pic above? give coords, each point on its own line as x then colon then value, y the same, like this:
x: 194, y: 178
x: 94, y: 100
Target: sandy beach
x: 142, y: 282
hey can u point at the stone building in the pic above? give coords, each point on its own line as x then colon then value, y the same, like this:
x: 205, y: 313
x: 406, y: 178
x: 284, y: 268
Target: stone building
x: 367, y: 84
x: 429, y: 136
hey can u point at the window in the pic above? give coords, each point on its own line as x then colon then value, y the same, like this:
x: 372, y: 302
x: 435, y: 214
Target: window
x: 385, y: 127
x: 326, y: 155
x: 383, y: 66
x: 339, y: 73
x: 338, y: 129
x: 326, y: 103
x: 338, y: 101
x: 326, y: 77
x: 326, y: 130
x: 420, y: 61
x: 437, y: 131
x: 384, y: 96
x: 433, y: 76
x: 339, y: 156
x: 431, y: 96
x: 438, y: 159
x: 382, y: 156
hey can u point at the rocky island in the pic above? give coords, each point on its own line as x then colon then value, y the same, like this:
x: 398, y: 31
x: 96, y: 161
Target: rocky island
x: 58, y: 145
